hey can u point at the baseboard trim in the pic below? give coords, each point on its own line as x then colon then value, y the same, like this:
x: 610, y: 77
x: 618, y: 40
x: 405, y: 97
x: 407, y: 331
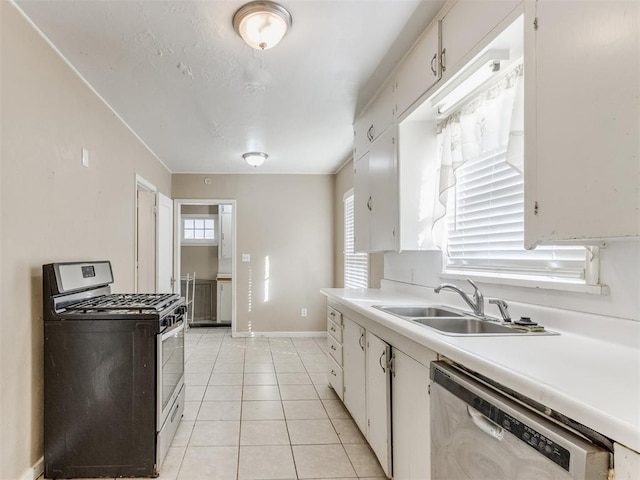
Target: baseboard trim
x: 279, y: 334
x: 34, y: 472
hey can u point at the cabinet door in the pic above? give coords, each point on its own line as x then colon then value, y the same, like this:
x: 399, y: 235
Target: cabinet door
x: 460, y: 35
x: 361, y: 203
x: 226, y: 236
x: 353, y: 359
x: 383, y: 184
x: 379, y: 400
x: 420, y: 70
x: 582, y: 121
x: 411, y: 417
x: 224, y: 301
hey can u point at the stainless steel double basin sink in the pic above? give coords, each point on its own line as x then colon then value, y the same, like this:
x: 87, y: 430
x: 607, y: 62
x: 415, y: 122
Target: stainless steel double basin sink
x: 449, y: 321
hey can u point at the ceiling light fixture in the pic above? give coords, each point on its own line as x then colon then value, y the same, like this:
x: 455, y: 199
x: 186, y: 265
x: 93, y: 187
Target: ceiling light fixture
x: 255, y: 159
x: 262, y: 24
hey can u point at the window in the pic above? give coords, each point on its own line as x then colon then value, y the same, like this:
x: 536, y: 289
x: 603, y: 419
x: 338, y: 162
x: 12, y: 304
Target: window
x: 483, y: 191
x: 199, y: 229
x: 485, y: 225
x: 356, y: 265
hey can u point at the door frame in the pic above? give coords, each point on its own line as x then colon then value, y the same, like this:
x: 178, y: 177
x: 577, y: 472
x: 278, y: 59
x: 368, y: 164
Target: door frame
x: 141, y: 184
x: 177, y: 213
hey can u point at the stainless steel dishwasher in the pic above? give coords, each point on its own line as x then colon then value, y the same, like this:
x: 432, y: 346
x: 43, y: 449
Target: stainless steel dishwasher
x: 480, y: 434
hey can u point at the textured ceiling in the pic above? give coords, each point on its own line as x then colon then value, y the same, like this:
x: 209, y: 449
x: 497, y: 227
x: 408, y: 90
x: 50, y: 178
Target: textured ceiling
x: 190, y: 88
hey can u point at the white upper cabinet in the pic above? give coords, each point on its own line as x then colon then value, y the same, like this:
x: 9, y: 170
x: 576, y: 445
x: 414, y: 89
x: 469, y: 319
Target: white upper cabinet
x: 582, y: 121
x: 225, y: 219
x: 376, y: 195
x: 374, y: 120
x: 420, y: 70
x: 465, y: 25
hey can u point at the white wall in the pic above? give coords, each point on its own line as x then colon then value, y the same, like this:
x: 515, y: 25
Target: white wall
x: 53, y: 209
x: 620, y: 271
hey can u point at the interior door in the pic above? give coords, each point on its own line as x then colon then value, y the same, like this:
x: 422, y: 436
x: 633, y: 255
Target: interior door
x: 146, y: 242
x: 165, y: 278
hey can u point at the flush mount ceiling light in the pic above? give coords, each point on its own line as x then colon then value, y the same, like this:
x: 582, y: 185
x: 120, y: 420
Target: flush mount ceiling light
x: 262, y: 24
x: 255, y: 159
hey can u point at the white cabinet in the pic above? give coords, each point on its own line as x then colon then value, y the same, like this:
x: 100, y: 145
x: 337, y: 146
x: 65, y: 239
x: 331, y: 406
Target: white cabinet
x: 465, y: 25
x: 225, y: 222
x: 582, y: 121
x: 374, y: 120
x: 411, y: 418
x: 376, y: 195
x: 224, y: 300
x: 420, y: 70
x: 334, y: 356
x: 626, y: 463
x: 354, y: 367
x: 378, y: 399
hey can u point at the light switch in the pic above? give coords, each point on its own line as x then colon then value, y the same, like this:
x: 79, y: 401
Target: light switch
x: 246, y: 257
x: 85, y: 157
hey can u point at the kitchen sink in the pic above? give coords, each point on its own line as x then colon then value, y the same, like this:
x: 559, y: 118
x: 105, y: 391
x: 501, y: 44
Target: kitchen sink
x: 467, y: 326
x: 453, y: 322
x: 418, y: 311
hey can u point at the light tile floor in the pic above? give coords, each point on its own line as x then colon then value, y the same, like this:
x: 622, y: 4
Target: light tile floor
x: 260, y: 409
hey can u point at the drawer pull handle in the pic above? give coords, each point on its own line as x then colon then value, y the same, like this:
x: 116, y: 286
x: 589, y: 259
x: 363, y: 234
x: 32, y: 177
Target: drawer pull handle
x: 433, y: 64
x: 333, y: 348
x: 333, y: 373
x: 332, y: 314
x: 332, y: 329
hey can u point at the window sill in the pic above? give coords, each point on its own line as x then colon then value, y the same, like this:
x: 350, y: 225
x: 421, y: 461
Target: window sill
x: 541, y: 283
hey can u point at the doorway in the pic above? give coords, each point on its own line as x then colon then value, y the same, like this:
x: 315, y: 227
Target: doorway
x: 204, y: 246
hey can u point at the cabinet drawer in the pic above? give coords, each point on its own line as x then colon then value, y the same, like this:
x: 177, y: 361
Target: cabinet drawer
x: 335, y: 349
x: 334, y: 374
x: 334, y: 330
x: 334, y: 315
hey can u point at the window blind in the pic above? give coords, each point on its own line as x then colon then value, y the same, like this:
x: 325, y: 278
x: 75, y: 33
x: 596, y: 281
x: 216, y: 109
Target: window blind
x: 486, y: 225
x: 356, y: 265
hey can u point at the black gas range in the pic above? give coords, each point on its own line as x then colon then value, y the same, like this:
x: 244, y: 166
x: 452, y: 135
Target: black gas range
x: 113, y: 374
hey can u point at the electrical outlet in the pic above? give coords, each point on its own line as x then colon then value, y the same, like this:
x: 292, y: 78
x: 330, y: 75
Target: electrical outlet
x: 303, y: 312
x: 246, y: 257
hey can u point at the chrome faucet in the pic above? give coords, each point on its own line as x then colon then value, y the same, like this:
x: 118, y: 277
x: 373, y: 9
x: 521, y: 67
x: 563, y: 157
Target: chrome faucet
x: 503, y: 307
x: 476, y: 304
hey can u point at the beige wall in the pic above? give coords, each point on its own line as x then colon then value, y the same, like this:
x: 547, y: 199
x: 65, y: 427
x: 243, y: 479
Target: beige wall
x: 53, y: 209
x: 288, y: 218
x: 343, y: 183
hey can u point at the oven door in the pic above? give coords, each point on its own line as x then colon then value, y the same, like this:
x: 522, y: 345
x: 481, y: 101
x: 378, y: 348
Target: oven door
x: 170, y: 365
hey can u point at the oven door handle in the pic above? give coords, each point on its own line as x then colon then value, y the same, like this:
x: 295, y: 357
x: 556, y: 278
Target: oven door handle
x: 175, y: 328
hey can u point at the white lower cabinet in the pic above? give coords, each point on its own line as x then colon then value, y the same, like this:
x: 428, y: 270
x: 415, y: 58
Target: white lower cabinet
x: 411, y: 419
x: 387, y: 394
x: 334, y: 356
x: 225, y: 300
x: 354, y: 368
x: 626, y: 463
x: 378, y: 396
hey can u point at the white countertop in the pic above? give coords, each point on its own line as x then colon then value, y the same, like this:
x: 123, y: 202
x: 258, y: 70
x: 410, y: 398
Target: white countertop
x: 593, y: 380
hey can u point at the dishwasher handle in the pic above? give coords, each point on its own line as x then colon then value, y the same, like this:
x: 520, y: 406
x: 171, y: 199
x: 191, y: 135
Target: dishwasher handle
x: 484, y: 424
